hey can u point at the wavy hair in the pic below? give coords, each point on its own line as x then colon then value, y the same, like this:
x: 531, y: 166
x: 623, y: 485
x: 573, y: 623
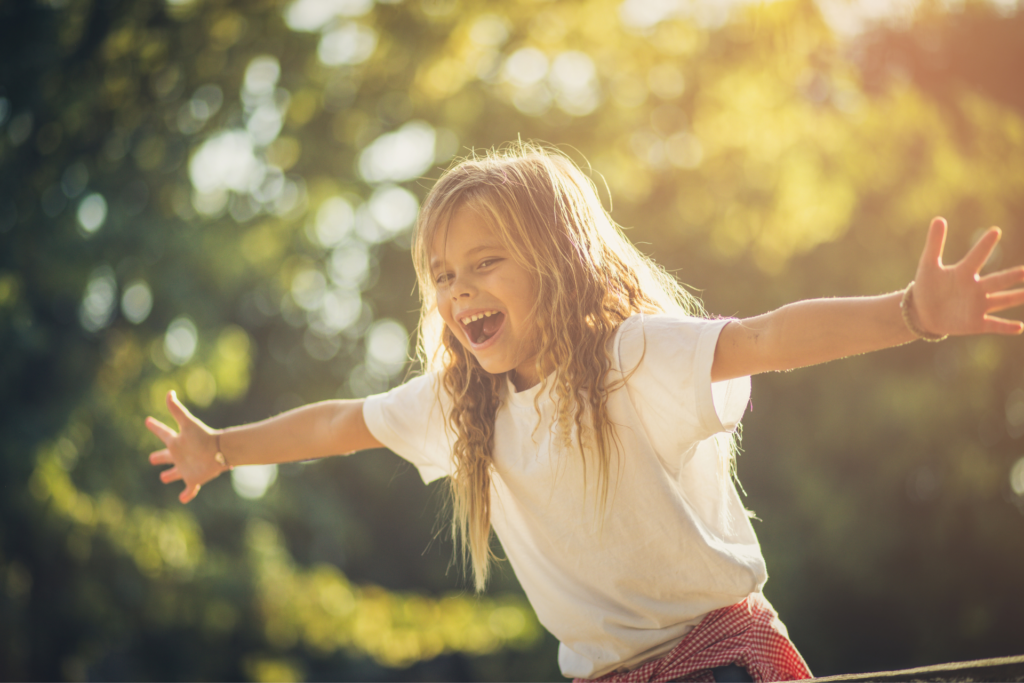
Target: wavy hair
x: 589, y: 279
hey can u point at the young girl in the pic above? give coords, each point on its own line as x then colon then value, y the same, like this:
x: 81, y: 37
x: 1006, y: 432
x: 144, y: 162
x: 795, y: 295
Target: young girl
x: 582, y: 406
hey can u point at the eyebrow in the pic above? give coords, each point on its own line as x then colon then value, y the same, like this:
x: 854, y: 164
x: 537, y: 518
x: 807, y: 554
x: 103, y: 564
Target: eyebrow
x: 435, y: 262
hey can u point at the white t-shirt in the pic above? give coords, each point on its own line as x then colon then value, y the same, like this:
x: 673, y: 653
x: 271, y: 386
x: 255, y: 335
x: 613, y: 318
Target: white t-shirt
x: 622, y: 584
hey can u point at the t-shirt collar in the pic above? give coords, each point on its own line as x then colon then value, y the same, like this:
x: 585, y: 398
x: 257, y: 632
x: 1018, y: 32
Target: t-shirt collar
x: 524, y: 397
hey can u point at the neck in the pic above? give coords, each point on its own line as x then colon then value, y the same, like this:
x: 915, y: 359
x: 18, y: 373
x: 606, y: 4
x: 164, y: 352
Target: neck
x: 523, y: 381
x: 527, y: 374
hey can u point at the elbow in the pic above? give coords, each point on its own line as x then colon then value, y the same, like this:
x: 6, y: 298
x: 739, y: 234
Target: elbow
x: 332, y: 428
x: 766, y: 346
x: 349, y: 432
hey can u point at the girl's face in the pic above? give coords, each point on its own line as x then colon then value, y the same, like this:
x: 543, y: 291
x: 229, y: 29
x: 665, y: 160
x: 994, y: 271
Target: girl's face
x: 485, y: 297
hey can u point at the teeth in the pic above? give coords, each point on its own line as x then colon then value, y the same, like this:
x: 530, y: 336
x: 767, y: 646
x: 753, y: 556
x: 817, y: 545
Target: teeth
x: 478, y: 316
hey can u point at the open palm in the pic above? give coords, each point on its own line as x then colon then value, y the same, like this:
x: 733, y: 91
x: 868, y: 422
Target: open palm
x: 956, y: 299
x: 191, y: 451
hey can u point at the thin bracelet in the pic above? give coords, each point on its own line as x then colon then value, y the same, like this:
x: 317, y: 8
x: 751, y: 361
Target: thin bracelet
x: 219, y: 456
x: 907, y: 308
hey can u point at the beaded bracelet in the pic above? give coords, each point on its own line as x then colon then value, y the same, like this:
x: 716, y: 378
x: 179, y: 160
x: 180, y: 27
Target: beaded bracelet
x: 219, y: 457
x: 906, y: 308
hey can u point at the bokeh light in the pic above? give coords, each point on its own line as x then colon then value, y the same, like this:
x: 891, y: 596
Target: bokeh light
x: 226, y: 161
x: 400, y: 155
x: 99, y: 300
x: 683, y: 150
x: 349, y: 264
x: 851, y: 18
x: 334, y: 221
x: 205, y: 103
x: 92, y: 213
x: 387, y: 346
x: 526, y: 66
x: 339, y: 309
x: 351, y: 43
x: 490, y: 30
x: 252, y: 481
x: 308, y: 288
x: 1017, y: 477
x: 316, y: 15
x: 200, y: 386
x: 181, y: 340
x: 261, y: 75
x: 574, y: 77
x: 1015, y: 413
x: 393, y: 208
x: 136, y: 302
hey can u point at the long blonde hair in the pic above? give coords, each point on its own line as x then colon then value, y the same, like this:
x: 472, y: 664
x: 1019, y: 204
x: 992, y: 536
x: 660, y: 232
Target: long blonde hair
x: 589, y: 279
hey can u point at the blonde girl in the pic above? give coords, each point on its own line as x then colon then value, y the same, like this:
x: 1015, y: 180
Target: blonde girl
x: 582, y: 406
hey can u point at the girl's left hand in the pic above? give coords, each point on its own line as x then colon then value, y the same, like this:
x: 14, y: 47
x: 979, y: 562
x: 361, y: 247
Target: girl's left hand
x: 956, y: 299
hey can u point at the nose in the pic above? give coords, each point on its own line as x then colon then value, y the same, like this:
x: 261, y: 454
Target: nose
x: 462, y: 287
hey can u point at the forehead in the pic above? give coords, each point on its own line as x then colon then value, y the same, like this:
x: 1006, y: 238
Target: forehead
x: 466, y: 233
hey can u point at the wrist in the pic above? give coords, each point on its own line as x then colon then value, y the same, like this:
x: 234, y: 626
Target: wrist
x: 912, y: 319
x: 219, y: 453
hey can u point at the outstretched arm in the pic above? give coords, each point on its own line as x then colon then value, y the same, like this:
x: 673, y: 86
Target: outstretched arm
x: 313, y: 431
x: 953, y: 300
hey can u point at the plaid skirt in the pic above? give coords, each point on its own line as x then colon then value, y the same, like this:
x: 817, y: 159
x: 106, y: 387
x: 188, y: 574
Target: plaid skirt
x: 748, y: 634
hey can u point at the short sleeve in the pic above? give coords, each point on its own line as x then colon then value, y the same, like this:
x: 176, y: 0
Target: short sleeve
x: 410, y: 420
x: 667, y: 361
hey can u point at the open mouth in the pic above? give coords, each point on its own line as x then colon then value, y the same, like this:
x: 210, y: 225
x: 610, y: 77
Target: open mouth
x: 482, y: 326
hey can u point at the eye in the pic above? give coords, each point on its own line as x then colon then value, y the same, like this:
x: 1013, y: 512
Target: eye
x: 489, y: 262
x: 441, y: 279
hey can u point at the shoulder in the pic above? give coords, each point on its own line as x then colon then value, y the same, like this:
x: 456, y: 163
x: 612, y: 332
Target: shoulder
x: 425, y: 383
x: 665, y: 363
x: 413, y: 396
x: 410, y: 420
x: 663, y: 337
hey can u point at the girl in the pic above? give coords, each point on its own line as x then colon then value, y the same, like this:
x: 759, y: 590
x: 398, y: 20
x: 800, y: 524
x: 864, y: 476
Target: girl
x: 582, y: 406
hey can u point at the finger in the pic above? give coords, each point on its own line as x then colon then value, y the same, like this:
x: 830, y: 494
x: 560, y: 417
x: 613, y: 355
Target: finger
x: 935, y: 243
x: 189, y: 493
x: 1004, y: 279
x: 167, y: 476
x: 178, y: 410
x: 161, y: 458
x: 980, y: 252
x: 995, y: 325
x: 1000, y: 301
x: 162, y: 431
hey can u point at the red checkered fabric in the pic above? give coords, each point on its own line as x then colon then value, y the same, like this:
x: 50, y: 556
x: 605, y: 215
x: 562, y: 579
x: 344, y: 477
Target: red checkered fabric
x: 748, y: 634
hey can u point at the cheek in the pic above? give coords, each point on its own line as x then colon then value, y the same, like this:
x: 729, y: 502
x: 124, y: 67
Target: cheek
x: 524, y: 293
x: 451, y: 327
x: 444, y: 307
x: 451, y: 340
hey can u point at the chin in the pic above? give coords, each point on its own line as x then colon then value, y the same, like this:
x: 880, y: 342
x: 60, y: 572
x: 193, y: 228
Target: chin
x: 493, y: 368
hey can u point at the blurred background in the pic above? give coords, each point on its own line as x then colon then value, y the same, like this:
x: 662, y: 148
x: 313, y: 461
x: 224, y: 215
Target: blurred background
x: 215, y: 196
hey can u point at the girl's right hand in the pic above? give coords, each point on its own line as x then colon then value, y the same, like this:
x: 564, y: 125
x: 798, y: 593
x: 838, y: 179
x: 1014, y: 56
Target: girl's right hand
x: 192, y: 451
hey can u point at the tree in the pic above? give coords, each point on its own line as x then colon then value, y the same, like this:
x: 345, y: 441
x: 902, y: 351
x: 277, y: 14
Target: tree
x: 216, y: 197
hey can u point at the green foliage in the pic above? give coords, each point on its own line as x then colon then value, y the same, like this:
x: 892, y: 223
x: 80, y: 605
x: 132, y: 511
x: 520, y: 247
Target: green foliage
x: 214, y: 196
